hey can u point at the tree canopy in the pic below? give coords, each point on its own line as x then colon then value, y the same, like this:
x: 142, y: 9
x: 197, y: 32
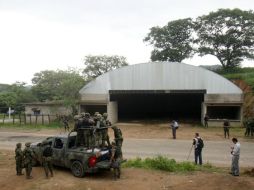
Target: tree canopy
x: 226, y: 34
x: 96, y: 65
x: 172, y: 42
x: 57, y: 85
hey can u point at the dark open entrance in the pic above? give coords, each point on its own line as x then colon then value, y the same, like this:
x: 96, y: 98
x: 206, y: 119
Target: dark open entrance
x: 93, y: 108
x: 158, y: 104
x: 224, y: 112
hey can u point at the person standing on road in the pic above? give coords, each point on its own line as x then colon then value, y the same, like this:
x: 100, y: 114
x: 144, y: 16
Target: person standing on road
x: 235, y: 151
x: 47, y: 159
x: 206, y: 119
x: 28, y: 158
x: 198, y: 146
x: 174, y: 127
x: 118, y: 139
x: 115, y: 160
x: 19, y: 158
x: 226, y: 126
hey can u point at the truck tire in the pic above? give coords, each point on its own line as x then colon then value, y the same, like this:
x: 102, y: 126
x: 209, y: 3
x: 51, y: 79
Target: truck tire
x: 77, y: 169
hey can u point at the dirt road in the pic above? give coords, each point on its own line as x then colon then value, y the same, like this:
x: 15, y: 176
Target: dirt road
x: 215, y: 152
x: 144, y: 141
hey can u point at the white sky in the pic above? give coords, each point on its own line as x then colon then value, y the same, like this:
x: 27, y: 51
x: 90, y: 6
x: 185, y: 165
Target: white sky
x: 37, y: 35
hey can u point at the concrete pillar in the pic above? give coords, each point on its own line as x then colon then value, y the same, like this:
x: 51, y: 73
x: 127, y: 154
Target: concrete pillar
x: 112, y: 110
x: 203, y: 112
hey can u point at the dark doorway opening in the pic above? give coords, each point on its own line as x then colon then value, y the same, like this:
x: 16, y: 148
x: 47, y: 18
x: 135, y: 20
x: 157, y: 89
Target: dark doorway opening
x: 94, y: 108
x: 224, y: 112
x: 154, y: 105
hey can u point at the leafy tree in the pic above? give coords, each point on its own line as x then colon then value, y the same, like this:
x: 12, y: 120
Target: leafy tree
x: 58, y: 85
x: 226, y: 34
x: 172, y: 42
x: 14, y: 96
x: 96, y: 65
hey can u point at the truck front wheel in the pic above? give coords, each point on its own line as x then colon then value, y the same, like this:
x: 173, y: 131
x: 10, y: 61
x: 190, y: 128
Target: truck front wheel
x: 77, y: 169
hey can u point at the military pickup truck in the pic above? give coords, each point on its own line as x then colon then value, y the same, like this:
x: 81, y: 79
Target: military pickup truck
x: 80, y: 160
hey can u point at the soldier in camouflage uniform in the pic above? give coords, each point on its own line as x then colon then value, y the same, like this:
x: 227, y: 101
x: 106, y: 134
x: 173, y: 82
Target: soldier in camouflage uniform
x: 115, y: 160
x: 19, y: 158
x: 106, y: 123
x: 118, y: 139
x: 98, y: 131
x: 28, y: 158
x: 77, y: 125
x: 47, y: 159
x: 86, y: 124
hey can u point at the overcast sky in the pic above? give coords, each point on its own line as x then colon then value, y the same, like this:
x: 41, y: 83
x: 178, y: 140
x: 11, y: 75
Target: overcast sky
x: 38, y: 35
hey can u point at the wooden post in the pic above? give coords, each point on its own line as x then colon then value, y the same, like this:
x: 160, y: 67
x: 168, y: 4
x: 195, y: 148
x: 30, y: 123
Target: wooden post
x: 19, y: 119
x: 24, y: 118
x: 13, y: 118
x: 49, y: 118
x: 42, y: 119
x: 30, y: 119
x: 36, y: 117
x: 4, y: 118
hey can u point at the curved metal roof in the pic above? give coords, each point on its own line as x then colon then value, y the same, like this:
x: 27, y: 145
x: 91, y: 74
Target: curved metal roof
x: 161, y: 76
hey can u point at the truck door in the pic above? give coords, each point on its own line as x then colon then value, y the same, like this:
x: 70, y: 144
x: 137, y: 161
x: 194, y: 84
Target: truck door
x: 58, y: 151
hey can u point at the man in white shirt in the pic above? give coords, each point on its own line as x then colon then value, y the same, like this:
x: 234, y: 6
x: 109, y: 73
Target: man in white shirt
x: 235, y: 157
x: 174, y: 126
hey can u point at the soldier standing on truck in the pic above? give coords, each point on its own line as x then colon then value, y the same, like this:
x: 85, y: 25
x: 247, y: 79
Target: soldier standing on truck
x: 19, y: 158
x: 118, y: 139
x: 77, y: 126
x: 47, y: 159
x: 86, y: 124
x: 28, y: 158
x: 106, y: 123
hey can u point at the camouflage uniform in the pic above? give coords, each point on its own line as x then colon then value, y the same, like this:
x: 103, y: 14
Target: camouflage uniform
x: 106, y: 123
x: 19, y: 158
x: 28, y: 158
x: 77, y: 125
x: 118, y: 139
x: 116, y: 160
x: 87, y: 123
x: 98, y: 134
x: 47, y: 159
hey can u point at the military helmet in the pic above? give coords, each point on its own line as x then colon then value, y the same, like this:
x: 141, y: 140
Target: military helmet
x: 18, y: 145
x: 113, y: 143
x: 83, y: 114
x: 76, y: 117
x: 98, y: 116
x: 96, y: 113
x: 27, y: 144
x: 87, y: 114
x: 105, y: 114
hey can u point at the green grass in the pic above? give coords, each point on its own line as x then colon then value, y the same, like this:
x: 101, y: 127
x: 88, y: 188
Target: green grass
x: 53, y: 125
x: 246, y: 74
x: 165, y: 164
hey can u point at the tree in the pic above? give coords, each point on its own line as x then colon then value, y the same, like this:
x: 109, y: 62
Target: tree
x: 172, y: 42
x: 14, y: 96
x: 96, y: 65
x: 226, y: 34
x: 58, y: 85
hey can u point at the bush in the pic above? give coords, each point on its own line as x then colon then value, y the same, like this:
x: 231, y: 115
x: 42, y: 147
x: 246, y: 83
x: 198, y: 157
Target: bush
x: 165, y: 164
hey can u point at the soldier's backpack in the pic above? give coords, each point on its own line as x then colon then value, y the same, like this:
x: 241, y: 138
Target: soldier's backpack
x: 200, y: 144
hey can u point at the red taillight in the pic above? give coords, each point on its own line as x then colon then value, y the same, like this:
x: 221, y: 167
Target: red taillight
x: 92, y: 161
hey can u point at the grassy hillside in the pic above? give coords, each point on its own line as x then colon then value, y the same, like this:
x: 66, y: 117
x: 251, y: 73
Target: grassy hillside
x: 245, y: 74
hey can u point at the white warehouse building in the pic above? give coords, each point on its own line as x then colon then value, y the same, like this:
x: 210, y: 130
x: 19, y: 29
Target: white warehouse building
x: 163, y: 90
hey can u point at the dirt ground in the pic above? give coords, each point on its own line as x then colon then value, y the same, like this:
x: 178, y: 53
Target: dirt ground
x: 131, y: 178
x: 154, y: 130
